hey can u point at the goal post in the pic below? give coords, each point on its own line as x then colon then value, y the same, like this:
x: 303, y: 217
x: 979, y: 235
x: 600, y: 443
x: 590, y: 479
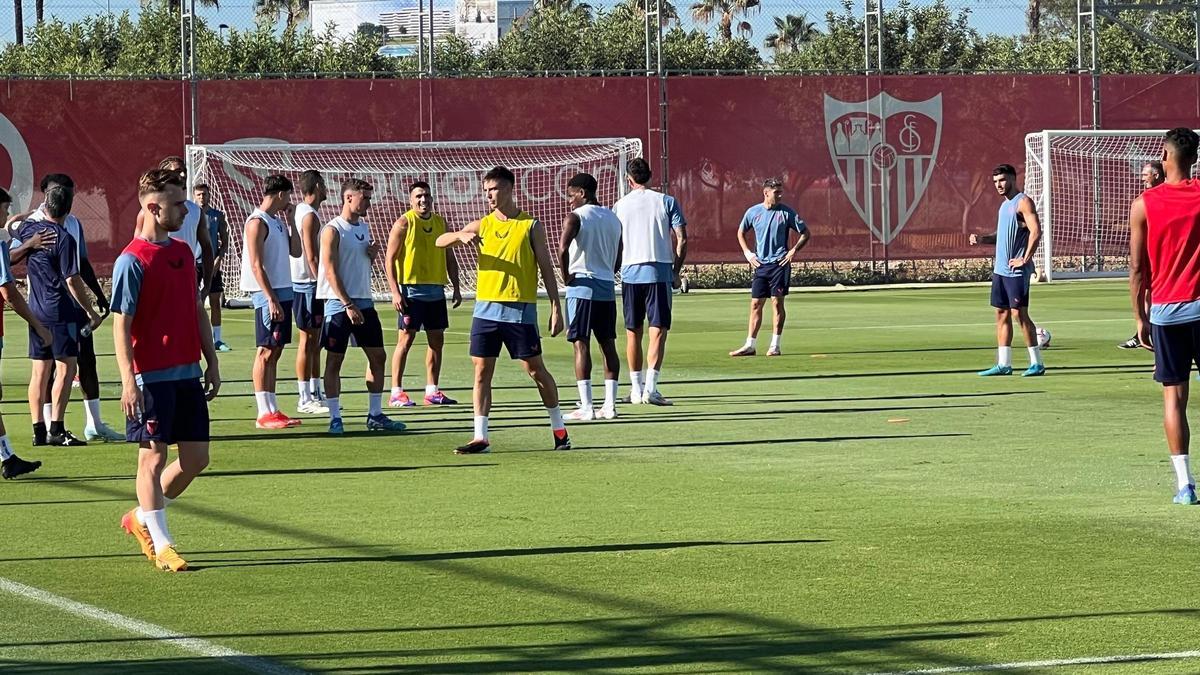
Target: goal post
x: 235, y: 174
x: 1083, y: 182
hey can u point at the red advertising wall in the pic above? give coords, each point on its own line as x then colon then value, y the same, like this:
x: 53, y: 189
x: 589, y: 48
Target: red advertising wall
x: 901, y: 159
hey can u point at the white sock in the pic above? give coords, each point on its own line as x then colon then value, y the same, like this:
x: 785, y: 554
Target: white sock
x: 481, y: 427
x: 651, y: 381
x: 1035, y: 355
x: 585, y: 394
x: 1004, y: 356
x: 314, y: 387
x: 6, y: 450
x: 91, y: 411
x: 376, y: 399
x: 335, y: 407
x: 431, y: 389
x: 775, y: 340
x: 1183, y: 472
x: 216, y: 333
x: 305, y: 394
x: 635, y: 385
x: 556, y: 420
x: 751, y: 342
x: 610, y: 394
x: 46, y: 413
x: 272, y: 402
x: 396, y: 391
x: 156, y: 522
x: 264, y: 403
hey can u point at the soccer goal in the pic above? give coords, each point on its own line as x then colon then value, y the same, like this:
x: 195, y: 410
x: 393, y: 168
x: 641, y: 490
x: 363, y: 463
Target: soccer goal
x: 454, y: 170
x: 1083, y: 183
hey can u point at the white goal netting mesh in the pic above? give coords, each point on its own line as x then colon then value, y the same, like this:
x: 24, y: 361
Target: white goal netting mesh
x: 235, y: 174
x: 1083, y: 183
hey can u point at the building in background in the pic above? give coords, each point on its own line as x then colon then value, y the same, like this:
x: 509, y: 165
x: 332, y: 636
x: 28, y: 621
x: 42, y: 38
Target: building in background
x: 403, y: 26
x: 346, y: 16
x: 485, y: 21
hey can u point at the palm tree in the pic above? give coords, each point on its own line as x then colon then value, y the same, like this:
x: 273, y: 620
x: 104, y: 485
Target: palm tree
x: 39, y: 11
x: 790, y: 32
x: 668, y: 11
x: 19, y: 21
x: 704, y: 11
x: 293, y: 11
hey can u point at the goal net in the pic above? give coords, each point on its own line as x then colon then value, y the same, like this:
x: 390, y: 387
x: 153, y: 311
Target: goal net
x: 235, y: 174
x: 1083, y: 183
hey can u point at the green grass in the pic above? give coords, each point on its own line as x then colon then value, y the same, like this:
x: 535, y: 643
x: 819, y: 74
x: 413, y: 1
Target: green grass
x: 777, y: 519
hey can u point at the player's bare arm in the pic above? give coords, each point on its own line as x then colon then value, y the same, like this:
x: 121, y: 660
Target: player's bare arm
x: 37, y: 242
x: 212, y: 373
x: 801, y: 241
x: 455, y: 281
x: 330, y: 245
x: 541, y: 251
x: 394, y: 259
x: 463, y: 237
x: 256, y: 238
x: 681, y: 246
x: 131, y: 394
x: 976, y: 239
x: 79, y: 293
x: 570, y: 231
x: 747, y: 250
x: 13, y: 298
x: 1027, y: 212
x: 295, y: 248
x: 89, y: 277
x: 310, y: 234
x: 1139, y: 268
x: 620, y: 252
x: 207, y: 257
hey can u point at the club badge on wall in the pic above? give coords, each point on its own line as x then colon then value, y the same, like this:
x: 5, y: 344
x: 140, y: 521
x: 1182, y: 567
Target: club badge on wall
x: 883, y: 150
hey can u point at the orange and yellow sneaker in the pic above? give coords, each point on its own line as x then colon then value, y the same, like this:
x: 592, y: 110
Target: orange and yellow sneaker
x: 168, y: 560
x: 131, y: 525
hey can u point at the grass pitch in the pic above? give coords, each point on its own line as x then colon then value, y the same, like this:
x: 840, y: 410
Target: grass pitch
x: 863, y: 504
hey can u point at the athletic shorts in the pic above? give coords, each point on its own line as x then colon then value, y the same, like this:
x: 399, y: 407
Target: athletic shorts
x: 1176, y: 348
x: 771, y: 280
x: 424, y: 315
x: 586, y: 317
x: 520, y: 339
x: 310, y: 310
x: 173, y: 411
x: 87, y: 351
x: 218, y: 283
x: 337, y: 330
x: 647, y: 301
x: 1010, y: 292
x: 64, y: 343
x: 268, y: 333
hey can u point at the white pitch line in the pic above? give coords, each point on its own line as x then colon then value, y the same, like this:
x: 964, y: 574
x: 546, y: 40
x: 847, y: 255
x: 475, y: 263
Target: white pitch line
x: 1053, y: 663
x: 188, y: 644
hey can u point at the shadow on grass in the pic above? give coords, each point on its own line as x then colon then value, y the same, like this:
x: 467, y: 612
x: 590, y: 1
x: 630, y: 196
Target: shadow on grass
x: 300, y: 471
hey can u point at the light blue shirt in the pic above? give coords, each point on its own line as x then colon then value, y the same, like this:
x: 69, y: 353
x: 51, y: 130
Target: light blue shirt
x: 424, y: 292
x: 6, y: 275
x: 1011, y: 239
x: 1172, y: 313
x: 259, y: 299
x: 590, y: 288
x: 771, y: 230
x: 506, y: 312
x: 647, y: 273
x: 127, y: 278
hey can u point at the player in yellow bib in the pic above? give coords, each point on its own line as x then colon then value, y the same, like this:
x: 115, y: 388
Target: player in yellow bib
x: 512, y: 252
x: 417, y: 271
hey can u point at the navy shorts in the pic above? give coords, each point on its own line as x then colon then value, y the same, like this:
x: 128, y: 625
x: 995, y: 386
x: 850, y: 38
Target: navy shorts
x: 64, y: 343
x: 218, y: 283
x: 771, y: 280
x: 424, y: 315
x: 172, y: 412
x: 268, y: 333
x: 309, y: 309
x: 647, y: 301
x: 1176, y: 348
x: 337, y: 330
x: 520, y: 339
x: 586, y: 317
x: 1010, y: 292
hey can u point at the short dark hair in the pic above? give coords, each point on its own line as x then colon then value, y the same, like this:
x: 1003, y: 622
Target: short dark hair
x: 309, y: 181
x: 277, y: 183
x: 355, y: 185
x: 1004, y: 170
x: 1156, y: 166
x: 58, y: 200
x: 172, y: 159
x: 419, y: 184
x: 5, y: 198
x: 639, y: 170
x: 586, y: 182
x: 772, y: 183
x: 200, y: 186
x: 56, y: 179
x: 157, y: 180
x: 500, y: 173
x: 1184, y: 140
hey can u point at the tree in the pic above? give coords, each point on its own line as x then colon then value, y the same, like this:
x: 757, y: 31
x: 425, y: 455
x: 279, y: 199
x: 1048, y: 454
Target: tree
x: 728, y: 12
x: 564, y: 5
x: 368, y: 29
x: 293, y: 11
x: 667, y: 10
x: 790, y: 32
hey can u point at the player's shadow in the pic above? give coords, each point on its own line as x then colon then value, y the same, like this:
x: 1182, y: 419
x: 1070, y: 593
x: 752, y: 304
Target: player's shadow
x: 63, y: 501
x: 333, y: 470
x: 759, y: 398
x: 765, y: 441
x: 898, y: 351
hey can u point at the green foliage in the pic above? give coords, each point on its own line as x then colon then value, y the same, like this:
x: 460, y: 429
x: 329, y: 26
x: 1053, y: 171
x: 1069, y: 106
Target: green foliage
x: 846, y: 273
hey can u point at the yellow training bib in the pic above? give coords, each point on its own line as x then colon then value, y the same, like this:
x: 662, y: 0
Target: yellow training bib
x: 424, y: 262
x: 508, y: 269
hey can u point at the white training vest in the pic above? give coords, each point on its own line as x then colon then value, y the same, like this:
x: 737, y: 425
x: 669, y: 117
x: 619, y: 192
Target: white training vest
x: 188, y: 234
x: 276, y: 252
x: 300, y: 271
x: 645, y: 227
x: 593, y: 252
x: 353, y: 264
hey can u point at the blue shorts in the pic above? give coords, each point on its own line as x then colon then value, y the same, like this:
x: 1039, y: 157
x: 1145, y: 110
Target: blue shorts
x: 424, y: 315
x: 64, y: 343
x: 337, y: 330
x: 268, y: 333
x: 1010, y: 292
x: 172, y: 412
x: 1176, y: 348
x: 520, y: 339
x: 771, y: 280
x: 586, y: 317
x: 647, y: 301
x: 310, y: 310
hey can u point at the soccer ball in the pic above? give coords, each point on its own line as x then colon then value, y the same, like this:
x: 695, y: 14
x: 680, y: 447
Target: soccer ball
x: 1043, y: 337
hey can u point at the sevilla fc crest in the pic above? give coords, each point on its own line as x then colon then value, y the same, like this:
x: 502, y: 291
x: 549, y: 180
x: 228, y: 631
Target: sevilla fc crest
x: 883, y: 151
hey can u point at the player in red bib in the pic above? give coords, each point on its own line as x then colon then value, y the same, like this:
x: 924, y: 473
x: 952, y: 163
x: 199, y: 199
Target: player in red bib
x: 1164, y: 257
x: 160, y: 332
